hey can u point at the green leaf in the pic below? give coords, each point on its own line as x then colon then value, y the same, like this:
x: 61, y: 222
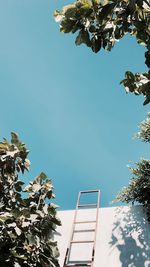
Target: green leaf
x: 5, y: 216
x: 49, y: 194
x: 25, y: 213
x: 42, y: 176
x: 16, y: 255
x: 18, y: 186
x: 67, y: 25
x: 129, y: 75
x: 147, y: 100
x: 14, y: 138
x: 147, y: 56
x: 70, y: 11
x: 83, y: 38
x: 96, y: 44
x: 106, y: 11
x: 3, y: 147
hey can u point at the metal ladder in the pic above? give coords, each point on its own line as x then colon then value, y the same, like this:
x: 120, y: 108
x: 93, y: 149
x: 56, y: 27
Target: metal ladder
x: 77, y: 262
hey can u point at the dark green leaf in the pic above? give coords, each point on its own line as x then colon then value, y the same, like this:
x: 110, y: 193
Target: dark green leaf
x: 83, y: 38
x: 96, y: 43
x: 18, y: 186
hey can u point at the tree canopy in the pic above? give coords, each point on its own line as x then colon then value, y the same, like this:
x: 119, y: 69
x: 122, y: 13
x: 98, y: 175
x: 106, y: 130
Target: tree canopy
x: 27, y: 218
x: 138, y: 190
x: 144, y: 133
x: 99, y: 24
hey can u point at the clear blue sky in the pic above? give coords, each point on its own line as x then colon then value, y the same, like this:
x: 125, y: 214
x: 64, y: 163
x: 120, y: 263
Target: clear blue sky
x: 66, y: 102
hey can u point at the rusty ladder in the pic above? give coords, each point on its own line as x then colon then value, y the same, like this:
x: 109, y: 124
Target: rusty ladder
x: 78, y: 263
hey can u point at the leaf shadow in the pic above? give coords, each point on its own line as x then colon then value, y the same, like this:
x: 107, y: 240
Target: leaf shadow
x: 131, y: 237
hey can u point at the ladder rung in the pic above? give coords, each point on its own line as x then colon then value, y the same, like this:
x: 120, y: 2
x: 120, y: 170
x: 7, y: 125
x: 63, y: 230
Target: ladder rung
x: 84, y: 222
x: 84, y: 230
x: 84, y: 241
x: 77, y: 264
x: 89, y: 191
x: 87, y: 205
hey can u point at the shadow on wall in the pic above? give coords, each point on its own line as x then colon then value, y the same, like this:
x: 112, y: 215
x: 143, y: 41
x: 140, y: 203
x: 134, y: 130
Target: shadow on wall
x: 131, y: 236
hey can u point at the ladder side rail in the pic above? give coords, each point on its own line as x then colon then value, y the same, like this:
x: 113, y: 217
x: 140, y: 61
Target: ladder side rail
x: 72, y: 232
x: 96, y: 226
x: 68, y: 252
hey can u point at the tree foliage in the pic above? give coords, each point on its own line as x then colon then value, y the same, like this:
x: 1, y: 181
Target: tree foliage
x: 101, y: 23
x: 144, y: 133
x: 138, y: 189
x: 27, y: 222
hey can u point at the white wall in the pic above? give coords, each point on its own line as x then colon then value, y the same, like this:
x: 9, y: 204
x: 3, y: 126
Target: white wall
x: 123, y: 237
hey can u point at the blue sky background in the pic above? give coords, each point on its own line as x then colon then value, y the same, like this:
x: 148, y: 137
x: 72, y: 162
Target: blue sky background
x: 66, y: 102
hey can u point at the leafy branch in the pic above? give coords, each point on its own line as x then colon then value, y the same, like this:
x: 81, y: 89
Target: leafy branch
x: 99, y: 24
x: 27, y: 223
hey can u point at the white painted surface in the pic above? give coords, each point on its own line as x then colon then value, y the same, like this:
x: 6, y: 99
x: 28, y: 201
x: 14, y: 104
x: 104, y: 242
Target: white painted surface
x: 123, y: 237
